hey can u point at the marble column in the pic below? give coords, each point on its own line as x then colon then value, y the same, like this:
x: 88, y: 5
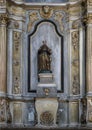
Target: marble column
x: 3, y: 22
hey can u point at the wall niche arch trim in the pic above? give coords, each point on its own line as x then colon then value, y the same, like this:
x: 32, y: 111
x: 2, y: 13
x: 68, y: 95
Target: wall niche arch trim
x: 60, y: 40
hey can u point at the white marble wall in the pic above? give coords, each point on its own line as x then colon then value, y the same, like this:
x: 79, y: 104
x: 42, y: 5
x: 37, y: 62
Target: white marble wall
x: 46, y: 31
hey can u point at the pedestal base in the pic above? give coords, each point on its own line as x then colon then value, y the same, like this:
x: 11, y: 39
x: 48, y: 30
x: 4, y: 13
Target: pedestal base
x: 46, y: 111
x: 45, y: 78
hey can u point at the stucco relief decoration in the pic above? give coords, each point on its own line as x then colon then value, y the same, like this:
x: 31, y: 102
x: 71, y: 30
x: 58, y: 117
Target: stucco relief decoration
x: 90, y: 110
x: 75, y: 63
x: 75, y: 39
x: 46, y: 12
x: 16, y: 62
x: 46, y: 118
x: 76, y: 24
x: 2, y: 110
x: 2, y: 2
x: 33, y: 17
x: 89, y: 18
x: 58, y: 17
x: 3, y: 19
x: 14, y: 10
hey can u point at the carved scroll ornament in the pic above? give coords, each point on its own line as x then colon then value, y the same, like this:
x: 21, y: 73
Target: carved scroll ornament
x: 33, y: 17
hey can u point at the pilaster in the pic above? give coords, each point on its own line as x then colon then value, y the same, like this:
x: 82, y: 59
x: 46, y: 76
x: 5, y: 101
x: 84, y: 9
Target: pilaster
x: 89, y: 61
x: 3, y: 56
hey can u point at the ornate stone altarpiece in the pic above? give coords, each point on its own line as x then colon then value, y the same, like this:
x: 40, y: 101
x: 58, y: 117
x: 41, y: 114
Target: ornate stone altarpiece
x: 52, y: 23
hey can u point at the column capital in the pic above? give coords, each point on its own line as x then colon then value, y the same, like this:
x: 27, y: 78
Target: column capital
x: 3, y: 18
x: 88, y: 19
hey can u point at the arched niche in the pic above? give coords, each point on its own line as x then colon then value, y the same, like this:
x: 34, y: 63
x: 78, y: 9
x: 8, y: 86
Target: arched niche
x: 45, y: 31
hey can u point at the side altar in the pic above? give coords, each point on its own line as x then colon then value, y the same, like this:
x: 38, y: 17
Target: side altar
x: 45, y: 64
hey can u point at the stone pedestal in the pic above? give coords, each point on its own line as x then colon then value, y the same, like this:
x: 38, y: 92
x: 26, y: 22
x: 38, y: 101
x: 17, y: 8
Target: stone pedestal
x: 45, y: 78
x: 46, y: 111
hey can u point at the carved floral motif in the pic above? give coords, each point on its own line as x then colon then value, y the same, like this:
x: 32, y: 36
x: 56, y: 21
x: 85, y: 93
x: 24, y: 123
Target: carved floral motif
x: 32, y: 18
x: 16, y: 62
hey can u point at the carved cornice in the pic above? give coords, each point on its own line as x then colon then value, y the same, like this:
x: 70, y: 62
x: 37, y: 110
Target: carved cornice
x: 3, y: 19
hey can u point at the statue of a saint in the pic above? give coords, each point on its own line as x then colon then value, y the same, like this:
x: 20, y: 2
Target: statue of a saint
x: 44, y: 59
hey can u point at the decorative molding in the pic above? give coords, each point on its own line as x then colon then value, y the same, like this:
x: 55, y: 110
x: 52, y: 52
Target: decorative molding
x: 33, y: 17
x: 74, y: 10
x: 58, y: 17
x: 75, y: 63
x: 3, y: 19
x: 15, y: 10
x: 46, y: 12
x: 76, y: 24
x: 89, y: 18
x: 16, y: 62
